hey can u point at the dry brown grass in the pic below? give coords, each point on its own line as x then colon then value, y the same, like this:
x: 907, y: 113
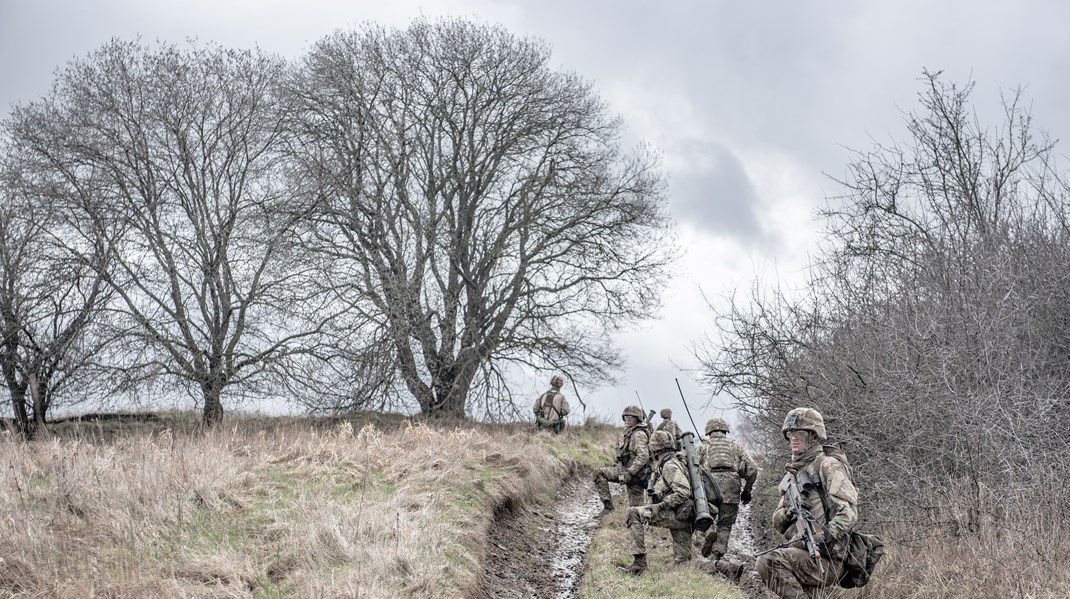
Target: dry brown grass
x: 1032, y: 562
x: 281, y: 511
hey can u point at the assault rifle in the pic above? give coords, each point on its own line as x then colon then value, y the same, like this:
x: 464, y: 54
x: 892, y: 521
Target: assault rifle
x: 621, y: 470
x: 790, y: 488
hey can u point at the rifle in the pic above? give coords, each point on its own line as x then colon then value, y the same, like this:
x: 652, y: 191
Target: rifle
x: 621, y: 470
x: 790, y: 488
x: 642, y: 407
x: 703, y: 519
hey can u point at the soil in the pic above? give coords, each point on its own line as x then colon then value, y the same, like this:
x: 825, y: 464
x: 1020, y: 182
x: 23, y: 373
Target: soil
x: 741, y: 549
x: 537, y: 553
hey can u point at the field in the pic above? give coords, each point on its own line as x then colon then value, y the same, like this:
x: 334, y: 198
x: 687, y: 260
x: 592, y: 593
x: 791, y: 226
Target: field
x: 385, y: 507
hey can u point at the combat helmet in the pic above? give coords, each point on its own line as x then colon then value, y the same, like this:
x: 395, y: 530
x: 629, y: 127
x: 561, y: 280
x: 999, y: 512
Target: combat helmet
x: 633, y: 411
x: 716, y: 424
x: 660, y: 441
x: 556, y: 381
x: 807, y: 419
x: 666, y: 413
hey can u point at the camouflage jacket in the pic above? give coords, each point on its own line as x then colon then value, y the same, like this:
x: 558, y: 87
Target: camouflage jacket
x: 838, y: 491
x: 673, y: 429
x: 672, y: 485
x: 730, y: 466
x: 634, y: 451
x: 551, y: 405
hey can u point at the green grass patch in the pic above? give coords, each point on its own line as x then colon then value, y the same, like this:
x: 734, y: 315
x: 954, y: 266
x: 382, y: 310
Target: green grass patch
x: 609, y: 548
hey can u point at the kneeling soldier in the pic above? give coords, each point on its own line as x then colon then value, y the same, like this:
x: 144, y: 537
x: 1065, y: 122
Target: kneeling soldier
x: 671, y: 505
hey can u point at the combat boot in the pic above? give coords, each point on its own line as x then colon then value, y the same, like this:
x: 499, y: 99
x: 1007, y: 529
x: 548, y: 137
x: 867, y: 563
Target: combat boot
x: 638, y: 566
x: 607, y: 506
x: 732, y: 570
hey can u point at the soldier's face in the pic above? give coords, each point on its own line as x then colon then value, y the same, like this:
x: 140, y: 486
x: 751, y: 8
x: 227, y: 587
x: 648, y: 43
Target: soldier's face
x: 630, y: 421
x: 799, y: 440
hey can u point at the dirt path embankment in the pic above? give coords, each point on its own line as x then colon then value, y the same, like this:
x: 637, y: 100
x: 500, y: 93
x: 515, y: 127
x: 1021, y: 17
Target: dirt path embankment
x: 537, y: 553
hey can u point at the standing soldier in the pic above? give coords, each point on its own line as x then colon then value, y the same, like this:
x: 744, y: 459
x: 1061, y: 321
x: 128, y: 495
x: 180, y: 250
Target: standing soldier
x: 671, y: 505
x: 734, y: 473
x: 830, y: 510
x: 633, y: 461
x: 551, y: 407
x: 669, y: 425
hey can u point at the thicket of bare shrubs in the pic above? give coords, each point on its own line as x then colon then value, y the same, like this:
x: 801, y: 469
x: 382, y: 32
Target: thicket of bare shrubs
x: 932, y: 335
x: 246, y: 511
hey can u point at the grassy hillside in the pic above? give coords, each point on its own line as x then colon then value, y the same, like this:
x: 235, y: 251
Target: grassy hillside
x: 381, y: 507
x: 269, y: 508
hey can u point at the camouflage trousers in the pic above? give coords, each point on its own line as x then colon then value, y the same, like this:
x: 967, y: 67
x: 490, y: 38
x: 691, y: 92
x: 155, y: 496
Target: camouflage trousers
x: 554, y: 426
x: 680, y: 531
x: 726, y: 519
x: 791, y: 574
x: 604, y: 476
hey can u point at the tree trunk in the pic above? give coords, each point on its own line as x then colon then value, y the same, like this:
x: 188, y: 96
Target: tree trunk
x: 213, y: 406
x: 450, y: 391
x: 18, y: 406
x: 38, y: 403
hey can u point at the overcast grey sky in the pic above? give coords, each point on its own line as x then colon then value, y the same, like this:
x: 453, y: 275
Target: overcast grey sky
x: 748, y: 102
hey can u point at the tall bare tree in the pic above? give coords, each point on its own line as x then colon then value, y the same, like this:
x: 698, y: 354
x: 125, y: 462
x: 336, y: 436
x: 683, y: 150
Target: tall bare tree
x: 51, y: 301
x: 182, y: 150
x: 477, y: 207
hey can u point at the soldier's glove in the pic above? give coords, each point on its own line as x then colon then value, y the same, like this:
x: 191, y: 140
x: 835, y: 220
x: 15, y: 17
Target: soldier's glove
x: 827, y: 541
x: 745, y: 497
x: 782, y: 520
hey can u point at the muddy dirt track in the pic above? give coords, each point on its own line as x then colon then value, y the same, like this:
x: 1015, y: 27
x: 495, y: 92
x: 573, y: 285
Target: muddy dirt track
x: 538, y: 553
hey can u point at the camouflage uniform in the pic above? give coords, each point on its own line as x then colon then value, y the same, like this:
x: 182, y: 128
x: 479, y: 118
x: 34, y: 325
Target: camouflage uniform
x: 551, y: 407
x: 789, y: 571
x: 635, y: 456
x: 734, y: 473
x: 669, y: 425
x: 671, y: 505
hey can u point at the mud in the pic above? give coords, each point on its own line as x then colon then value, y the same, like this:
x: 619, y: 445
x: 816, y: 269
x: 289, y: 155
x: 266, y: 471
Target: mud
x: 538, y: 553
x: 741, y: 549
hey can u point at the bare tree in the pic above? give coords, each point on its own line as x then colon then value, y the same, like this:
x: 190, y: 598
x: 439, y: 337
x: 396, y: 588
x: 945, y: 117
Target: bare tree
x: 50, y: 303
x: 932, y: 334
x: 181, y: 148
x: 476, y: 207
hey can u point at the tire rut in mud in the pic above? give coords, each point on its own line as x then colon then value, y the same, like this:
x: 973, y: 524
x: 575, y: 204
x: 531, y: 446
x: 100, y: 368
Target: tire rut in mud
x: 538, y: 552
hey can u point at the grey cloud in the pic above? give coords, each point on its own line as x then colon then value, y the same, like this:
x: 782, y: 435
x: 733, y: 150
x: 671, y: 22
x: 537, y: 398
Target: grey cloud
x: 718, y: 198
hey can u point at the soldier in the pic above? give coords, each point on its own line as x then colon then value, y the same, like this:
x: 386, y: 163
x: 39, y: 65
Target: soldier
x: 671, y: 505
x: 832, y: 503
x: 669, y: 425
x: 633, y: 461
x: 551, y: 407
x: 729, y: 466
